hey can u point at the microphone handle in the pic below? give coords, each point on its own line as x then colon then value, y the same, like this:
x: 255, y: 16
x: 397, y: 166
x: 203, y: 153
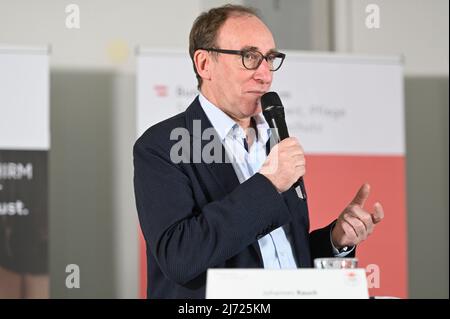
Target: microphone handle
x: 301, y: 185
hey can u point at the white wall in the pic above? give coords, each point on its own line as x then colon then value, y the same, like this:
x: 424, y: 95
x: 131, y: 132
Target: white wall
x: 418, y: 29
x: 297, y: 25
x: 109, y: 29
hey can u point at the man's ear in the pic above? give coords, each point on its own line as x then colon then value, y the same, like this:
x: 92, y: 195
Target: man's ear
x: 202, y: 61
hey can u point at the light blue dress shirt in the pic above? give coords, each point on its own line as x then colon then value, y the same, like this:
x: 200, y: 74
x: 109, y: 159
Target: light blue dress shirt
x: 276, y: 248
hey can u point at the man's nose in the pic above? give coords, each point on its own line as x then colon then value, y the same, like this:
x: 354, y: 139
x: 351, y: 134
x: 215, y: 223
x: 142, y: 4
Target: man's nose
x: 263, y: 73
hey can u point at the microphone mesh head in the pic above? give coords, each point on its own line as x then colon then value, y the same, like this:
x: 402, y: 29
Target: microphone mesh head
x: 270, y: 99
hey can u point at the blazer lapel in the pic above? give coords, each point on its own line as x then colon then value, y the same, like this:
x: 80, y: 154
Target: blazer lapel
x: 222, y: 172
x: 196, y: 123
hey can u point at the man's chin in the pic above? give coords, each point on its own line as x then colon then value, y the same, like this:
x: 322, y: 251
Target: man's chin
x: 258, y: 106
x: 253, y: 111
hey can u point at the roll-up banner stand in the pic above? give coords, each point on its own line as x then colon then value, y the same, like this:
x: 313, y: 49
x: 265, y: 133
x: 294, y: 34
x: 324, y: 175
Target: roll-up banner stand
x: 24, y: 146
x: 348, y: 113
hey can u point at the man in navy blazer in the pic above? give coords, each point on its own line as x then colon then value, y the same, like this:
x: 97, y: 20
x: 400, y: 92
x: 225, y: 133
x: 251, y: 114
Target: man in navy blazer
x: 199, y: 207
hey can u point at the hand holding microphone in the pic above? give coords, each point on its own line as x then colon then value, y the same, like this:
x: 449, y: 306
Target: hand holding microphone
x: 285, y: 164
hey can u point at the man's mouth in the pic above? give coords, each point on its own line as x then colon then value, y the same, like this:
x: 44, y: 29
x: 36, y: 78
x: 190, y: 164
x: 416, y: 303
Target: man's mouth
x: 257, y: 92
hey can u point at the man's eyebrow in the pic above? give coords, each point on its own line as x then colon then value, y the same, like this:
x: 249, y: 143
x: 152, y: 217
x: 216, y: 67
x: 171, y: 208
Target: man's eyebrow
x: 274, y: 50
x: 251, y: 48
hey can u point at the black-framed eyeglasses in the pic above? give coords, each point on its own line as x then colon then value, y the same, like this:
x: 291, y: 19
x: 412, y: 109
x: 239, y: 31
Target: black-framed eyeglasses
x: 252, y: 59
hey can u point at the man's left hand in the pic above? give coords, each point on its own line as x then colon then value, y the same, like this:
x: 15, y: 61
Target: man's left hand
x: 355, y: 224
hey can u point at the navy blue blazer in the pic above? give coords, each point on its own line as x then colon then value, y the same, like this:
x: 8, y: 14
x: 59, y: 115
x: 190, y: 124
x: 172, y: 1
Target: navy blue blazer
x: 196, y: 216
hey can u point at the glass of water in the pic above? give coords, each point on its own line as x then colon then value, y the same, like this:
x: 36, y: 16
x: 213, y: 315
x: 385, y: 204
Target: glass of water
x: 335, y: 263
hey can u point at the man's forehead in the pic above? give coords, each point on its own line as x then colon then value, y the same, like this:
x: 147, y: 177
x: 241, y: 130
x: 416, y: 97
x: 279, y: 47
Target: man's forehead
x: 246, y: 32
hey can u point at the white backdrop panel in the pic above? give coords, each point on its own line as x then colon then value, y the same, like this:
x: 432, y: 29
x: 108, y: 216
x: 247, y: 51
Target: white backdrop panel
x: 24, y: 99
x: 343, y: 104
x: 335, y: 104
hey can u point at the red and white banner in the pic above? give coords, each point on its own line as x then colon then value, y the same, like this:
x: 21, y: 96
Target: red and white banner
x: 348, y: 113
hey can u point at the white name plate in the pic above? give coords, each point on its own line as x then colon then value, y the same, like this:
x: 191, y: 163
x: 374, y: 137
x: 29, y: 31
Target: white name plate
x: 306, y: 283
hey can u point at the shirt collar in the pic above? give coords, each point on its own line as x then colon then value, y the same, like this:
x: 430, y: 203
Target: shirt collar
x: 225, y: 125
x: 221, y: 122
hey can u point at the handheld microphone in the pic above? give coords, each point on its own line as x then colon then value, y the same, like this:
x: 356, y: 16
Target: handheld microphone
x: 273, y: 112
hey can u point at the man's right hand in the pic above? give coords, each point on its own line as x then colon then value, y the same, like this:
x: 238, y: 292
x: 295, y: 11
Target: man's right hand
x: 285, y: 164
